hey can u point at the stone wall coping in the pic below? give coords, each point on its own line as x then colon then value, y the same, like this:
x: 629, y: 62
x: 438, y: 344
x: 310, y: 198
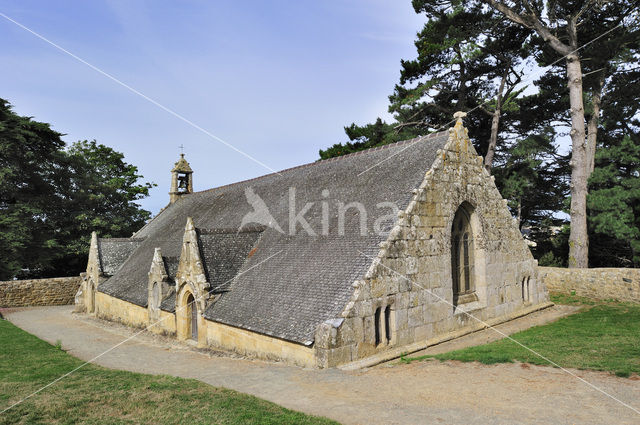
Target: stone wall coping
x: 590, y: 269
x: 41, y: 280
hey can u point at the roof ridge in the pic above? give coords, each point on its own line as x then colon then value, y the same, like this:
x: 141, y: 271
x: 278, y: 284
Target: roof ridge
x: 229, y: 230
x: 122, y: 239
x: 333, y: 159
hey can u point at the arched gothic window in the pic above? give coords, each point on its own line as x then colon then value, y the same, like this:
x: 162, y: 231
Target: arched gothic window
x: 462, y: 256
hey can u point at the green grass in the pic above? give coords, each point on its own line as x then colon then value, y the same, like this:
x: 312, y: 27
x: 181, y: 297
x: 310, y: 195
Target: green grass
x: 603, y: 336
x: 96, y: 395
x: 572, y: 299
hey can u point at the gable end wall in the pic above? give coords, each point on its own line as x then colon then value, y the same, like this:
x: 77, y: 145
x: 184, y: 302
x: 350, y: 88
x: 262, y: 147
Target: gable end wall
x: 419, y: 247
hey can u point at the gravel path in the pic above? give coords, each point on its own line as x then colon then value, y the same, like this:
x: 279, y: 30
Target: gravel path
x: 418, y: 393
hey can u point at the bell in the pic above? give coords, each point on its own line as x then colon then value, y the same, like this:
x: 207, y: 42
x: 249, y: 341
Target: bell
x: 182, y: 182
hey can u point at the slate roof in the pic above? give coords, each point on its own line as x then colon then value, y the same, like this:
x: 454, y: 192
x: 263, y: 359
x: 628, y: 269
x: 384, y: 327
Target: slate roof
x: 223, y: 252
x: 114, y: 252
x: 286, y: 285
x: 169, y: 303
x: 171, y: 267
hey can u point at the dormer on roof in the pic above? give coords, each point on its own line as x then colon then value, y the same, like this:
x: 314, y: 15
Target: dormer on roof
x: 181, y: 179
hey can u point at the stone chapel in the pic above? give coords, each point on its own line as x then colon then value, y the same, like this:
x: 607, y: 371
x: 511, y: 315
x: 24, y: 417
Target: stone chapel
x: 330, y: 291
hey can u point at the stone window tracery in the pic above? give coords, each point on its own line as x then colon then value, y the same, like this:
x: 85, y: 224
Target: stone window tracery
x: 462, y: 256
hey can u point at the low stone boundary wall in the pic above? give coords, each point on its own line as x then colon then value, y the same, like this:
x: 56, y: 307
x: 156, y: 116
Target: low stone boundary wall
x: 606, y: 283
x: 52, y: 291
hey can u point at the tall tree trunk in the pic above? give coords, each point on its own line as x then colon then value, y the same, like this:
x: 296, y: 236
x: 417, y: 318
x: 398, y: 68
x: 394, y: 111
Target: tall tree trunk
x: 578, y: 237
x: 592, y: 125
x: 495, y: 121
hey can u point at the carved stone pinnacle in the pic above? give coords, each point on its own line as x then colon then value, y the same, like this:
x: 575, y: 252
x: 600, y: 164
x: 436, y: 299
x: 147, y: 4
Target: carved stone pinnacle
x: 459, y: 115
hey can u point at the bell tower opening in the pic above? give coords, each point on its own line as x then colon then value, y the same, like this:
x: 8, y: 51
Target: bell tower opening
x: 181, y: 179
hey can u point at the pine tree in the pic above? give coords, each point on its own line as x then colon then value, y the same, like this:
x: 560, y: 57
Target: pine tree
x: 614, y: 204
x: 466, y: 57
x: 564, y: 29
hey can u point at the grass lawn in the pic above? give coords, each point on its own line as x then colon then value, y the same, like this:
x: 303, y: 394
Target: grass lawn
x: 96, y: 395
x: 604, y: 335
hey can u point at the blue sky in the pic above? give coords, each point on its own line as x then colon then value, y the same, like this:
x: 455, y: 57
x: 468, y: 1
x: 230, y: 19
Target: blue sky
x: 276, y: 79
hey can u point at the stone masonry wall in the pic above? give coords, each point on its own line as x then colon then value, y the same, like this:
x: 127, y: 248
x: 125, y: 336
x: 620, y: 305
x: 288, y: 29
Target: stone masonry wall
x: 419, y: 247
x: 53, y: 291
x: 604, y: 283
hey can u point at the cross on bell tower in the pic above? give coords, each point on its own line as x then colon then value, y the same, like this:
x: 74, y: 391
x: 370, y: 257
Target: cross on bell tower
x: 181, y: 178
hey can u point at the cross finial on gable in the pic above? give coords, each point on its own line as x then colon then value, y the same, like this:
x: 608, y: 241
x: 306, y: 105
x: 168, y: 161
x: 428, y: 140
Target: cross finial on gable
x: 181, y: 150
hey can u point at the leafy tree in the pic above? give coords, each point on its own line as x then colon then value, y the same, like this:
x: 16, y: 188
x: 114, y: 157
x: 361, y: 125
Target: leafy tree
x: 101, y: 196
x: 51, y: 198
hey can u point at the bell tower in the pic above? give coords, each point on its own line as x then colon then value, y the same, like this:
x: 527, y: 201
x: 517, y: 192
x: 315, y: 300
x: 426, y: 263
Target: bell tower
x: 181, y: 179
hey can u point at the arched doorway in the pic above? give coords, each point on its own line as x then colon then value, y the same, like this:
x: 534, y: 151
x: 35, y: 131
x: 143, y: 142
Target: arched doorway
x: 192, y: 317
x: 462, y: 256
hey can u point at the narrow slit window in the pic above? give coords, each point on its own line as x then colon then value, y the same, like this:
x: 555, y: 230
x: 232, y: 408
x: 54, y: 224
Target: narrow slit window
x: 387, y: 323
x: 377, y: 325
